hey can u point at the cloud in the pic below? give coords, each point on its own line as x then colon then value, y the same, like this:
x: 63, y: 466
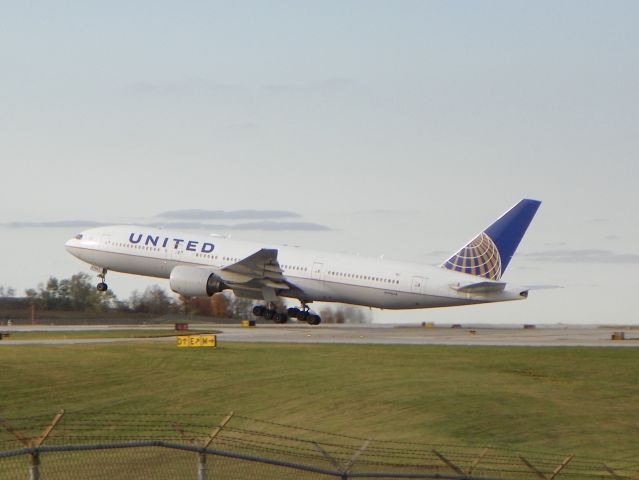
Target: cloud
x: 262, y: 225
x: 583, y: 256
x: 195, y: 214
x: 58, y: 224
x: 306, y: 226
x: 266, y: 225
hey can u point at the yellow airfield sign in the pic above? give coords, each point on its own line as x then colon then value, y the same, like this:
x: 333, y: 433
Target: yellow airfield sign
x: 186, y: 341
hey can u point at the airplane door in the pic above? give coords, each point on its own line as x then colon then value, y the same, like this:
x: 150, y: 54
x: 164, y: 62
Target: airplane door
x: 316, y: 272
x: 418, y: 284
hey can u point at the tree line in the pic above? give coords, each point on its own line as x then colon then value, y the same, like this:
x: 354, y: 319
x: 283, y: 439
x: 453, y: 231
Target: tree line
x: 78, y: 294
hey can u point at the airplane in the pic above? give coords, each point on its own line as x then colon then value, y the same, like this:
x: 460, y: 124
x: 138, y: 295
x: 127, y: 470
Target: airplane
x: 203, y: 265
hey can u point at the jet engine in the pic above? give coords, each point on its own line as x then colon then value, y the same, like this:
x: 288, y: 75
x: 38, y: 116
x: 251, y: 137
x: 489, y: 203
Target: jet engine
x: 195, y: 282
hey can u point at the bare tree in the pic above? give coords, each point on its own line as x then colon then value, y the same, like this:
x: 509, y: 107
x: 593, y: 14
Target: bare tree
x: 154, y: 300
x: 240, y: 307
x: 219, y: 305
x: 7, y: 293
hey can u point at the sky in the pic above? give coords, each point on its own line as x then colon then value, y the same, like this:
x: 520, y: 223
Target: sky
x: 395, y: 128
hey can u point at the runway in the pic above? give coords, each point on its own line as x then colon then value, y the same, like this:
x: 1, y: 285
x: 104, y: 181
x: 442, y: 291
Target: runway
x: 390, y: 335
x: 541, y: 336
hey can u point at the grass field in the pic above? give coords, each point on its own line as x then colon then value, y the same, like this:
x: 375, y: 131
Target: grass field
x: 572, y: 400
x: 110, y: 333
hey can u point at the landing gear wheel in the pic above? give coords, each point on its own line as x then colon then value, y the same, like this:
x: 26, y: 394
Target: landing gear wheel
x: 270, y: 313
x: 259, y: 310
x: 304, y: 314
x: 102, y: 286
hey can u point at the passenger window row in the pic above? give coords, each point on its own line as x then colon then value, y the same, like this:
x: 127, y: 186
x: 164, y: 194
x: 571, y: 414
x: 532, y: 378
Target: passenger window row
x: 293, y: 267
x: 134, y: 247
x: 357, y: 276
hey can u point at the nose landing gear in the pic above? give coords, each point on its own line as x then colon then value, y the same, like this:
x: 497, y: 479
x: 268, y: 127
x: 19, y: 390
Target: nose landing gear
x: 102, y: 286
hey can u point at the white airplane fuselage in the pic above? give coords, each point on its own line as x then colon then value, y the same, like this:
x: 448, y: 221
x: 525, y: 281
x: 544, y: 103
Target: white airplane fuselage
x: 311, y: 275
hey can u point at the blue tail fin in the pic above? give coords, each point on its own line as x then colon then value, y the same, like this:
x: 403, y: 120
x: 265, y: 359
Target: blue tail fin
x: 489, y: 253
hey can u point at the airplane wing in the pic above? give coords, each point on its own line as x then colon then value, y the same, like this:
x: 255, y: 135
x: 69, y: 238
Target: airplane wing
x: 479, y: 287
x: 261, y: 264
x: 257, y: 276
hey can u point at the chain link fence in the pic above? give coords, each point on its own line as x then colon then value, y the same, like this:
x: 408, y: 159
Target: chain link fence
x: 159, y: 446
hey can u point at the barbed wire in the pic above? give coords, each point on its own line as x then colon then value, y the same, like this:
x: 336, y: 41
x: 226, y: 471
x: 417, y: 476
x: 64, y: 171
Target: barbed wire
x: 281, y: 441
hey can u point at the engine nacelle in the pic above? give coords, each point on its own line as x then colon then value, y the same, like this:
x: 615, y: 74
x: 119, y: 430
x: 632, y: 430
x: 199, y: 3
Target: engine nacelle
x: 195, y: 282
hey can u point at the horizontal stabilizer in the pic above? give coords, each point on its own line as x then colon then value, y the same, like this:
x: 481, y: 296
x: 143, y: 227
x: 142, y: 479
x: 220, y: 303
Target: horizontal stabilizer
x: 479, y: 287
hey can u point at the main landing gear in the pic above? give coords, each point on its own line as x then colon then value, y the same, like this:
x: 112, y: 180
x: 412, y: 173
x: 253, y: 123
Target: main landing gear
x: 102, y: 286
x: 305, y: 315
x: 270, y: 313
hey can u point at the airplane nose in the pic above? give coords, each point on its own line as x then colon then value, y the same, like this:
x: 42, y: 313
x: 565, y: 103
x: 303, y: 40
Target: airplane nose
x: 68, y: 245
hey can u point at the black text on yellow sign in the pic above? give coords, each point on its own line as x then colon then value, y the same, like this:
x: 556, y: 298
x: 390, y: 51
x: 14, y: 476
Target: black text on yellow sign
x: 185, y: 341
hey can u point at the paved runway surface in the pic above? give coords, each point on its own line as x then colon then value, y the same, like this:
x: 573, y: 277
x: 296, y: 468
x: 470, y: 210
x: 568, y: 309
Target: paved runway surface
x: 589, y: 336
x: 431, y: 336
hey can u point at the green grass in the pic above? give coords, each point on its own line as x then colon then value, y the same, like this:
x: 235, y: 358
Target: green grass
x: 569, y: 400
x: 111, y: 333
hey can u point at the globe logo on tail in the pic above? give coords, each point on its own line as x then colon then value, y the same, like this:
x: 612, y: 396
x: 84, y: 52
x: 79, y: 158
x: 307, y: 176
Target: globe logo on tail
x: 480, y: 257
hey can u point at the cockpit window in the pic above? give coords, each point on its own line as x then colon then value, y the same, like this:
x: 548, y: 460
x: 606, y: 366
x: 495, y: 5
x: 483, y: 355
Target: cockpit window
x: 78, y: 236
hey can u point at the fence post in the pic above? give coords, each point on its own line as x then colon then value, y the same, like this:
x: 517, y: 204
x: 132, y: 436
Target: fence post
x: 470, y: 470
x: 611, y: 472
x: 34, y: 443
x: 533, y: 469
x: 339, y: 468
x: 34, y: 467
x: 458, y: 470
x: 201, y: 464
x: 450, y: 464
x: 201, y: 470
x: 555, y: 472
x: 561, y: 466
x: 351, y: 462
